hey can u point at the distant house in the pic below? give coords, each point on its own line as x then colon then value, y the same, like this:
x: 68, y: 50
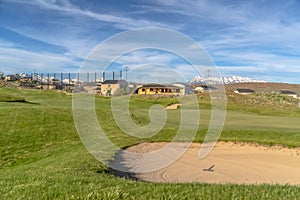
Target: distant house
x: 110, y: 87
x: 98, y: 88
x: 54, y: 81
x: 159, y: 89
x: 244, y: 91
x: 198, y: 89
x: 203, y: 88
x: 132, y: 86
x: 25, y: 79
x: 288, y: 93
x: 185, y: 88
x: 10, y: 78
x: 54, y: 84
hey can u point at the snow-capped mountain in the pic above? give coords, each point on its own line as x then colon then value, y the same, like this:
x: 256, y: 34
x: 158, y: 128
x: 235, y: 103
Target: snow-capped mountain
x: 240, y: 79
x: 225, y: 80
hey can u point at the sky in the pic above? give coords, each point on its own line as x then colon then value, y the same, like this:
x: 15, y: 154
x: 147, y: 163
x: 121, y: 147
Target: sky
x: 259, y: 39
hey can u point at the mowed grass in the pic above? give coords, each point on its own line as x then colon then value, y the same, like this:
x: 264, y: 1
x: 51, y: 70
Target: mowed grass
x: 11, y: 98
x: 42, y: 156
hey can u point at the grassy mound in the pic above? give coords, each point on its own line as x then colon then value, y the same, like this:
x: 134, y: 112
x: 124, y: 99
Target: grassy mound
x: 260, y: 103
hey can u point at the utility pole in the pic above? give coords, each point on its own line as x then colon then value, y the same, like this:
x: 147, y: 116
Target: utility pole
x: 103, y: 76
x: 208, y: 76
x: 126, y: 73
x: 34, y: 71
x: 208, y: 73
x: 69, y: 80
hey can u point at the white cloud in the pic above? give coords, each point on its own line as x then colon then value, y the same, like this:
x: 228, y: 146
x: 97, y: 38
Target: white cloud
x: 66, y: 7
x: 204, y: 10
x: 142, y: 57
x: 155, y: 73
x: 245, y: 33
x: 79, y: 41
x: 19, y: 60
x: 263, y: 61
x: 246, y: 36
x: 4, y: 43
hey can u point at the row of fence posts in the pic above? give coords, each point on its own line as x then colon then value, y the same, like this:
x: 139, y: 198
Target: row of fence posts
x: 84, y: 77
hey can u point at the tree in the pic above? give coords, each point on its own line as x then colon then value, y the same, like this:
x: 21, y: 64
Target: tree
x: 18, y: 76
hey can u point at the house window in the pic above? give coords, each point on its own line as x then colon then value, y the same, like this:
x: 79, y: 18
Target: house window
x: 151, y: 89
x: 143, y: 90
x: 177, y: 90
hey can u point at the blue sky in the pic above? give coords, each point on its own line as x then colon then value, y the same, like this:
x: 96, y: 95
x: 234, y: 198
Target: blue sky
x: 258, y: 38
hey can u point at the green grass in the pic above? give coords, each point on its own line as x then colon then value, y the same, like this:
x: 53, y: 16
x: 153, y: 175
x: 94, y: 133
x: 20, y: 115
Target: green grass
x: 42, y: 156
x: 11, y: 98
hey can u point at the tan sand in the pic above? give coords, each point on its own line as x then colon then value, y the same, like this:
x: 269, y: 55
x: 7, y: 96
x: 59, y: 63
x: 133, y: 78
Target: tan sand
x: 239, y: 163
x: 173, y: 106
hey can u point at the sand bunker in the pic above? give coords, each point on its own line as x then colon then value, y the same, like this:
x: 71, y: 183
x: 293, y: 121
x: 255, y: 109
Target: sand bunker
x: 173, y: 106
x: 228, y: 163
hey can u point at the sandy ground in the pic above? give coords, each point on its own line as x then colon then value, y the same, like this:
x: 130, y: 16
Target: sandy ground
x: 173, y: 106
x: 231, y: 163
